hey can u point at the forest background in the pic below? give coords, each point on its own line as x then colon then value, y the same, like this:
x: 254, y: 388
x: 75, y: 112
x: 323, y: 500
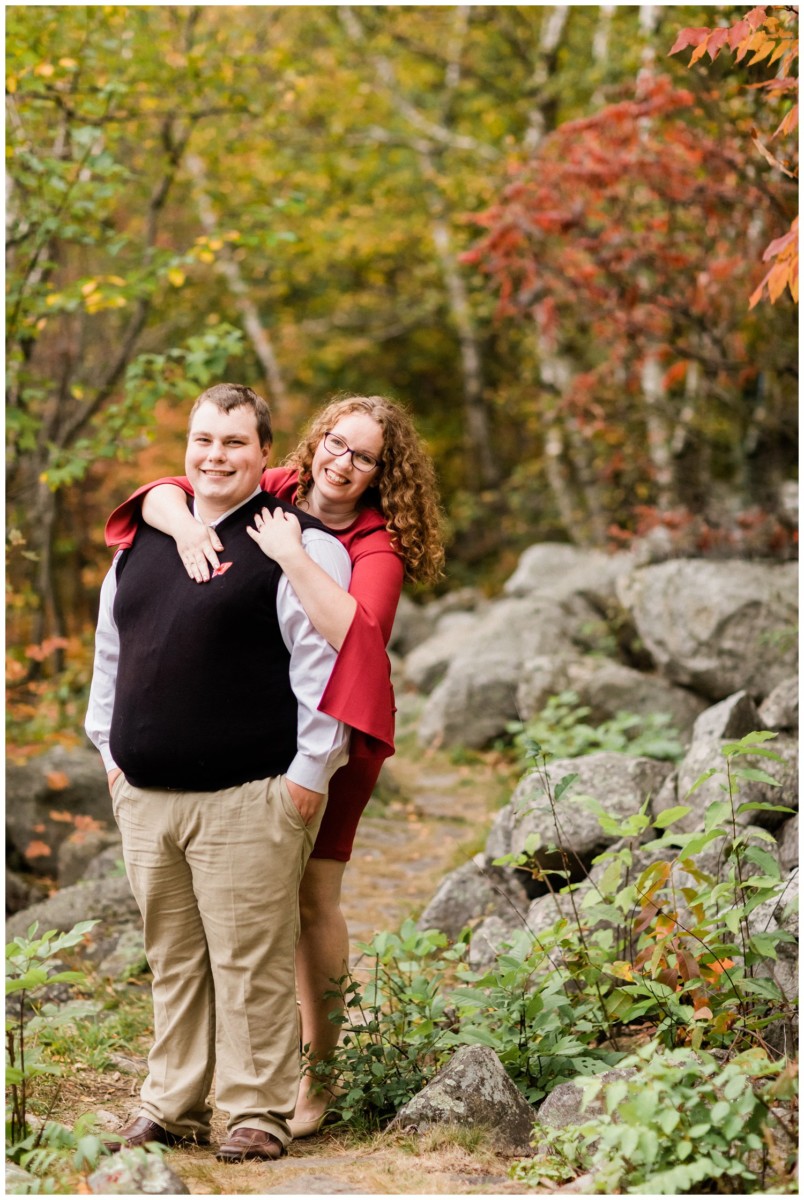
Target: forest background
x: 565, y: 248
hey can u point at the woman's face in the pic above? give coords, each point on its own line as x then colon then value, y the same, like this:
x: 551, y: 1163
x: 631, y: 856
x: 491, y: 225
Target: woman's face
x: 339, y: 483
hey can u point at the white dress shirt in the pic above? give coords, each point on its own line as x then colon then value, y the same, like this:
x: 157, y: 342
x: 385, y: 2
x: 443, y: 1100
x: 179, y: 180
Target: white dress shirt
x: 322, y: 742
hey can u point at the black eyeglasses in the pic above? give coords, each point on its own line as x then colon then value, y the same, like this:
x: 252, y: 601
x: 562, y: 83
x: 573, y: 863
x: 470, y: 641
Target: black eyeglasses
x: 360, y: 460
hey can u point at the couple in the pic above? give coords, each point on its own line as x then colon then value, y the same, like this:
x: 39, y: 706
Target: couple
x: 222, y: 698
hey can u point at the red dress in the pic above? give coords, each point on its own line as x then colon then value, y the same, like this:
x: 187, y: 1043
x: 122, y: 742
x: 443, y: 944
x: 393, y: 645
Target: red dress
x: 359, y: 691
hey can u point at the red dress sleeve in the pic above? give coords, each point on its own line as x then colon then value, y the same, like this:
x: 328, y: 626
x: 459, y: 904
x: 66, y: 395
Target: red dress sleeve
x: 122, y: 524
x: 359, y: 691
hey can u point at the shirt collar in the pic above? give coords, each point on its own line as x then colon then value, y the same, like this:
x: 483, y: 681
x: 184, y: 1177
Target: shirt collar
x: 228, y: 512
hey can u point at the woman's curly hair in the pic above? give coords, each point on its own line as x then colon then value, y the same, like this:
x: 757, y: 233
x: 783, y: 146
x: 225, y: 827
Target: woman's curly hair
x: 406, y: 492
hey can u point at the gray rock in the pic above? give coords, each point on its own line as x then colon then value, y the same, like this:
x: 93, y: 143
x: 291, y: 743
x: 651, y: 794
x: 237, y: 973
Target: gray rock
x: 717, y: 627
x: 45, y: 794
x: 618, y: 782
x: 472, y: 1090
x: 22, y: 891
x: 127, y: 959
x: 731, y: 719
x: 470, y: 892
x: 413, y: 623
x: 135, y: 1172
x: 706, y: 753
x: 779, y: 710
x: 564, y: 1105
x: 774, y: 915
x: 427, y: 663
x: 787, y: 839
x: 82, y: 848
x: 108, y: 900
x: 18, y: 1181
x: 489, y: 938
x: 557, y: 570
x: 477, y: 697
x: 109, y: 862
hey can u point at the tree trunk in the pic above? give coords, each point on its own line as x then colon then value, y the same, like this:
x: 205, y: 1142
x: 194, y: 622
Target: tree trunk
x: 228, y: 266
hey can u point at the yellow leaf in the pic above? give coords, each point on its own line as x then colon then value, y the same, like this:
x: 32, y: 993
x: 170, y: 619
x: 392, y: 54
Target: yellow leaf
x: 45, y: 70
x: 68, y: 63
x: 11, y: 84
x: 215, y: 244
x: 206, y: 256
x: 89, y: 288
x: 116, y: 280
x: 176, y: 276
x: 53, y: 298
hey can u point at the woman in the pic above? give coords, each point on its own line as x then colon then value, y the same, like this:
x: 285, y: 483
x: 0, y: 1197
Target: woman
x: 363, y: 472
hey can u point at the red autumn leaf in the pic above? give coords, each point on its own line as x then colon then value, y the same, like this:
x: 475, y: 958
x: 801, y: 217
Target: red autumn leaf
x: 693, y: 36
x: 37, y: 850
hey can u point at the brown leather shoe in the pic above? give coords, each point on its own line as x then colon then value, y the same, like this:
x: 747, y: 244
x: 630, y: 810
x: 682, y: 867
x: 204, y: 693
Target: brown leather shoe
x: 142, y: 1130
x: 246, y: 1143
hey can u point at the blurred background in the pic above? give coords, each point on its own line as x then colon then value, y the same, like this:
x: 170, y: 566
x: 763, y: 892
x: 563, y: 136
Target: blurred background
x: 565, y: 247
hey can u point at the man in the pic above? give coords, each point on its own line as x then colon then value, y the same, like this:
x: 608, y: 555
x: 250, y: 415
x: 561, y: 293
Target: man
x: 204, y: 709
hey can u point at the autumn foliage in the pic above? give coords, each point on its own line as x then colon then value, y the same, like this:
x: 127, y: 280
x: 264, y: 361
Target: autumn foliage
x: 768, y: 40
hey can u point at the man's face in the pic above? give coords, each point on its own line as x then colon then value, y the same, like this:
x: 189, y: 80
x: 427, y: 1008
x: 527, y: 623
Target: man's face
x: 224, y: 459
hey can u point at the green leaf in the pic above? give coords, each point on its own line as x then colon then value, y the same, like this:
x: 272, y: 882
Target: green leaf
x: 755, y: 774
x: 671, y: 815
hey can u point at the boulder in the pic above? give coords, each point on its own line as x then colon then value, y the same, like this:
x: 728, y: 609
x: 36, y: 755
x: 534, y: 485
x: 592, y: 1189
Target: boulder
x: 780, y: 913
x: 716, y: 627
x: 706, y: 753
x: 413, y: 623
x: 473, y: 891
x: 557, y: 570
x: 564, y: 1106
x: 472, y: 1090
x: 779, y: 710
x: 489, y: 938
x: 607, y: 688
x: 135, y: 1172
x: 476, y: 699
x: 787, y: 841
x: 50, y: 796
x: 81, y: 849
x: 427, y: 663
x: 620, y: 783
x: 107, y: 900
x: 731, y: 720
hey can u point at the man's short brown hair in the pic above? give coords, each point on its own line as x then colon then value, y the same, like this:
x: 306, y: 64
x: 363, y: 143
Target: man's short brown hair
x: 227, y: 396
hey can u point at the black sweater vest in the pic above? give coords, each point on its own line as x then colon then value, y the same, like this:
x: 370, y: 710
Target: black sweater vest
x: 203, y: 698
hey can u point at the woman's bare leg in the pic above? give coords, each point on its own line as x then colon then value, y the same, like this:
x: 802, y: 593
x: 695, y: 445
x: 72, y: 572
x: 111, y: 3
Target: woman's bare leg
x: 322, y: 957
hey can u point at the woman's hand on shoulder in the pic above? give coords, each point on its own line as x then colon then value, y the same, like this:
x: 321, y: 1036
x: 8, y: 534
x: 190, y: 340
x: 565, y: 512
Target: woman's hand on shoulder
x: 278, y: 534
x: 198, y: 546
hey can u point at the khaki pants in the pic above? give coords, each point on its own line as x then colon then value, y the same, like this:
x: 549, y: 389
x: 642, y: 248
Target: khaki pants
x: 216, y: 877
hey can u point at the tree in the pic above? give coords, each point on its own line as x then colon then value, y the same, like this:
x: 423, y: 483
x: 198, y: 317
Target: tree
x: 624, y: 242
x: 768, y: 39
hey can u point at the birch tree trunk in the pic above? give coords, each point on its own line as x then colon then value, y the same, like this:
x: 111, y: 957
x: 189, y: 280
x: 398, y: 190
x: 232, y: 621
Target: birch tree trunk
x: 229, y: 268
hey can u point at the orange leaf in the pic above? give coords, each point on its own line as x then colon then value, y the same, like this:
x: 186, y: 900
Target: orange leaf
x: 87, y: 824
x: 37, y: 850
x: 57, y: 781
x: 66, y: 817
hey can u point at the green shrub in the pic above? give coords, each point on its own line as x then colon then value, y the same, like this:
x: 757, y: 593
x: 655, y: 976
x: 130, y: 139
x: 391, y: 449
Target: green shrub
x: 680, y: 1120
x: 560, y: 730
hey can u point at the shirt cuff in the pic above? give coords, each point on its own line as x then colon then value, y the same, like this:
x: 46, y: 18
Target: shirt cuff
x: 308, y: 773
x: 108, y: 762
